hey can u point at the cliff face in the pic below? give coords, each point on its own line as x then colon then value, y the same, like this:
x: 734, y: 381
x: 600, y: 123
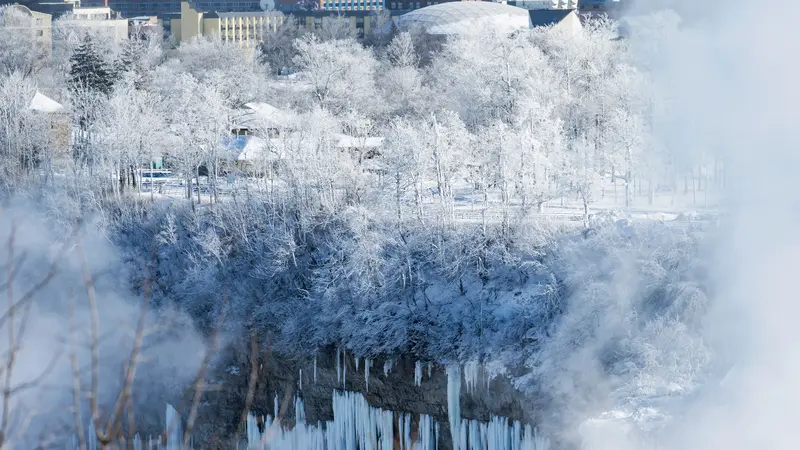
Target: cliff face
x: 396, y: 392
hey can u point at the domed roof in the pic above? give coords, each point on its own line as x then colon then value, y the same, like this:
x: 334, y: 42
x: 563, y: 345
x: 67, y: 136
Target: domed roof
x: 464, y: 16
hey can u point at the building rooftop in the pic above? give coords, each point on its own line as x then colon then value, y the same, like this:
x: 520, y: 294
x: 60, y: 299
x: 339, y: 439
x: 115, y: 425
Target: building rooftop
x: 547, y: 17
x: 45, y: 104
x: 465, y: 17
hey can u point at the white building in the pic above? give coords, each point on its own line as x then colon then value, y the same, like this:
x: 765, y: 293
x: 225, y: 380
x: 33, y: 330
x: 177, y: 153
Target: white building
x: 99, y: 22
x: 99, y: 13
x: 465, y: 17
x: 544, y: 4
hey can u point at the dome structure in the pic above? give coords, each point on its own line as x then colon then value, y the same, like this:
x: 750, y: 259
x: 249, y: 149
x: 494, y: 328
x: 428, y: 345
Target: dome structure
x: 461, y: 17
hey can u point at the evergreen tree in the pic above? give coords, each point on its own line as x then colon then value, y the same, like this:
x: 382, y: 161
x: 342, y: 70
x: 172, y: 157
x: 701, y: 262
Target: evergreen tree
x: 130, y: 62
x: 89, y: 70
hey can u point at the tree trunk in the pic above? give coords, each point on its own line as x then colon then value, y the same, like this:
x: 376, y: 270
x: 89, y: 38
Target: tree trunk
x: 585, y: 212
x: 197, y: 175
x: 628, y: 189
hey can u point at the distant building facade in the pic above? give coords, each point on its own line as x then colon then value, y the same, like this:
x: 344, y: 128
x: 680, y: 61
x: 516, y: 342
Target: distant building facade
x: 55, y: 8
x: 96, y: 13
x: 566, y: 20
x: 248, y: 28
x: 139, y: 8
x: 22, y: 18
x: 544, y: 4
x: 598, y: 7
x: 99, y: 21
x: 351, y: 5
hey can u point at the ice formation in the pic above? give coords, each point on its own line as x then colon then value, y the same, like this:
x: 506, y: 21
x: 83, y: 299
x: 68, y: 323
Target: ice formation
x: 357, y: 360
x: 300, y: 382
x: 174, y: 431
x: 404, y: 430
x: 338, y: 367
x: 418, y: 373
x: 427, y: 433
x: 471, y: 375
x: 367, y: 366
x: 315, y: 370
x: 453, y: 403
x: 497, y: 434
x: 358, y: 426
x: 430, y: 369
x: 355, y: 426
x: 299, y: 411
x: 387, y: 367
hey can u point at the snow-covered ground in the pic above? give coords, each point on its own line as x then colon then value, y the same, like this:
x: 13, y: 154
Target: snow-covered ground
x: 679, y: 207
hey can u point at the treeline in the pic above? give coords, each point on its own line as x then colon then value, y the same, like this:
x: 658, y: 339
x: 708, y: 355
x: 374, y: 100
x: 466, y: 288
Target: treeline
x: 514, y: 121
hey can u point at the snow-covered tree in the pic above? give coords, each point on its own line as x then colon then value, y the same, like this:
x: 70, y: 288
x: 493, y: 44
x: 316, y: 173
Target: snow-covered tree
x: 21, y: 50
x: 341, y: 73
x: 200, y: 121
x: 236, y: 71
x: 490, y: 77
x: 335, y: 28
x: 277, y: 46
x: 139, y: 56
x: 88, y: 69
x: 446, y: 139
x: 405, y: 162
x: 132, y: 132
x: 24, y: 133
x: 401, y: 83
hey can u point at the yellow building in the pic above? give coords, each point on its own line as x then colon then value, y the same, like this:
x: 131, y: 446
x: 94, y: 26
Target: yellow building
x: 248, y: 28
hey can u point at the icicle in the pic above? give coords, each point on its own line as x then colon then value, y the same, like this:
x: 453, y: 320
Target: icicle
x: 401, y: 430
x: 315, y: 369
x: 93, y: 442
x: 367, y: 366
x: 174, y: 432
x: 471, y: 370
x: 357, y: 359
x: 430, y: 369
x: 338, y: 367
x: 275, y: 411
x: 358, y: 426
x: 407, y: 444
x: 387, y: 430
x: 253, y: 434
x: 387, y: 367
x: 418, y: 373
x: 300, y: 385
x: 426, y: 439
x: 344, y: 369
x: 454, y: 403
x: 299, y: 411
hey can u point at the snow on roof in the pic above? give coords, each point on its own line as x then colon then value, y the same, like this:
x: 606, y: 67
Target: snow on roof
x: 275, y: 117
x: 345, y: 141
x: 45, y: 104
x: 465, y: 17
x: 254, y: 149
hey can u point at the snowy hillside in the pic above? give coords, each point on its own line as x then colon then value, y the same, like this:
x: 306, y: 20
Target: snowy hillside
x: 556, y: 240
